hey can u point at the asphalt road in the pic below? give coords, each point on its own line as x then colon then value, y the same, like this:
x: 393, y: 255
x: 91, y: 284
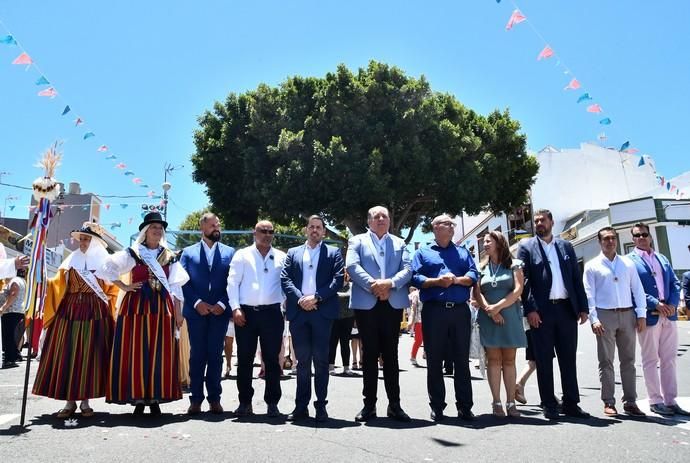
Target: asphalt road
x: 114, y: 435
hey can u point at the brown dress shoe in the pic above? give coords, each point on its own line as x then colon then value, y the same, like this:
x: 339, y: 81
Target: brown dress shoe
x: 216, y: 408
x: 194, y: 409
x: 610, y: 410
x: 632, y: 409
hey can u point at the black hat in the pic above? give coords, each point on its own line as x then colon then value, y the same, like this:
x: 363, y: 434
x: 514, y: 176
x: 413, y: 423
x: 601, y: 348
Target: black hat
x: 153, y: 217
x: 90, y: 229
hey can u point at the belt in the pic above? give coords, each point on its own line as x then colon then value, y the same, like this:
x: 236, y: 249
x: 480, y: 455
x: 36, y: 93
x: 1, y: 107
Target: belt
x: 558, y: 301
x: 618, y: 309
x: 259, y: 308
x: 448, y: 304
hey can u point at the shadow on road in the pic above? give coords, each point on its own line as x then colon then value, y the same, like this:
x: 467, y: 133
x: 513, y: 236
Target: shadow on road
x: 332, y: 423
x: 110, y: 420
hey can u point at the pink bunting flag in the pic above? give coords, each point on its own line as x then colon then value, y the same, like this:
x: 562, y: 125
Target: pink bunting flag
x: 102, y: 148
x: 107, y: 207
x: 546, y: 53
x: 49, y: 92
x: 136, y: 180
x: 23, y: 59
x: 516, y: 18
x: 631, y: 151
x: 78, y: 121
x: 594, y: 108
x: 673, y: 187
x: 572, y: 85
x: 150, y: 193
x: 121, y: 165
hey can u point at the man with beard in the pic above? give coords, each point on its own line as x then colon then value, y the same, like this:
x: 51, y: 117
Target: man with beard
x: 311, y: 277
x: 554, y: 300
x: 207, y: 311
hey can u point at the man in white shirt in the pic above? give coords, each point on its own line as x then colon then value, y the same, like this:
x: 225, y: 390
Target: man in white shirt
x: 611, y: 282
x: 255, y: 296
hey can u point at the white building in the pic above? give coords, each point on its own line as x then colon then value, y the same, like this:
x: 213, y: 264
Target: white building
x: 589, y: 188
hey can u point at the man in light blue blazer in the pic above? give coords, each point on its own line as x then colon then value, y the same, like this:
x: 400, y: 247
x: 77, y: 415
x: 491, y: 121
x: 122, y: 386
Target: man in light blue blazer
x: 311, y: 277
x: 207, y: 311
x: 379, y: 266
x: 659, y: 342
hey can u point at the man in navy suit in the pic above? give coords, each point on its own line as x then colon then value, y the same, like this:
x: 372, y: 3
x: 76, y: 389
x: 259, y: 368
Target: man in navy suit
x: 554, y: 300
x: 207, y: 311
x: 379, y: 266
x: 311, y: 277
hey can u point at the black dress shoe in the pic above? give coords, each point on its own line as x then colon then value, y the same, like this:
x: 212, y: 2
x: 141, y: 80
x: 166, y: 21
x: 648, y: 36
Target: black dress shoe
x: 321, y: 414
x: 243, y: 410
x: 397, y: 413
x: 551, y: 413
x: 272, y: 411
x: 466, y: 415
x: 155, y: 409
x: 298, y: 414
x: 575, y: 411
x: 437, y: 415
x: 139, y: 409
x: 366, y: 414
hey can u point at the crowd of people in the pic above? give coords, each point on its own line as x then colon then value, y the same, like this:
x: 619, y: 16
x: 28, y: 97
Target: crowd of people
x: 113, y: 324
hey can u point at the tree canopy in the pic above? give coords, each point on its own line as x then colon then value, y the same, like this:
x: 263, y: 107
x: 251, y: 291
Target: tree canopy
x: 340, y: 144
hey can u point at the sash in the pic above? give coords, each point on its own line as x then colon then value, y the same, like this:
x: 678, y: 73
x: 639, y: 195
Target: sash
x: 90, y: 279
x: 155, y: 268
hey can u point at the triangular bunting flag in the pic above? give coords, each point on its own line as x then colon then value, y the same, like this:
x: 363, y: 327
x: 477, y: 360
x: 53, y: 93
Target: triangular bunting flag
x: 595, y: 108
x: 625, y: 146
x: 66, y: 110
x: 89, y: 135
x: 584, y: 97
x: 136, y: 181
x: 102, y: 149
x: 23, y: 59
x: 546, y: 53
x: 78, y: 121
x: 516, y: 18
x: 8, y: 40
x: 574, y: 84
x: 124, y: 206
x: 605, y: 121
x: 110, y: 156
x: 42, y: 81
x: 49, y: 92
x: 129, y: 172
x: 641, y: 163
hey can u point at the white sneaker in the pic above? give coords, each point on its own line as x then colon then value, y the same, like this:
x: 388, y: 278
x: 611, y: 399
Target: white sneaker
x: 348, y: 372
x: 414, y: 362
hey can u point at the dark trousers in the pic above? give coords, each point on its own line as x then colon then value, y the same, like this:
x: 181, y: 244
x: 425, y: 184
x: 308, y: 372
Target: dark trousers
x: 265, y: 326
x: 447, y: 335
x: 340, y: 333
x: 207, y: 340
x: 558, y: 330
x: 310, y: 336
x: 10, y: 322
x: 379, y: 328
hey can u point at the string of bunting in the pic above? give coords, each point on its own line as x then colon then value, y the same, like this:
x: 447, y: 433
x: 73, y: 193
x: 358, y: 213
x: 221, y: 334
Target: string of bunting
x: 49, y: 90
x: 584, y: 98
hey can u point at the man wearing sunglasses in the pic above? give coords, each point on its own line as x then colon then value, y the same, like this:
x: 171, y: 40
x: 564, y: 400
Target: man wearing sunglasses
x: 659, y: 342
x: 255, y: 295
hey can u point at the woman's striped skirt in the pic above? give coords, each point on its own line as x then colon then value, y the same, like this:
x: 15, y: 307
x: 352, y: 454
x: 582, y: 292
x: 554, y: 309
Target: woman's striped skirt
x: 144, y: 361
x: 76, y: 351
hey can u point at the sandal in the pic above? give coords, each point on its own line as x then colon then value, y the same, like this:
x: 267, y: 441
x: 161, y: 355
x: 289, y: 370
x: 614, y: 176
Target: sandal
x: 498, y: 409
x: 512, y: 410
x: 86, y: 411
x: 67, y: 412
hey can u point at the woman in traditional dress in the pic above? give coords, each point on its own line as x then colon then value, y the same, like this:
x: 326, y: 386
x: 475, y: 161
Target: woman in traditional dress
x: 145, y: 356
x: 500, y: 318
x: 78, y: 318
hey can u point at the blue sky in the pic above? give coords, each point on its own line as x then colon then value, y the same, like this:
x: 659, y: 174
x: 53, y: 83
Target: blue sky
x: 140, y: 73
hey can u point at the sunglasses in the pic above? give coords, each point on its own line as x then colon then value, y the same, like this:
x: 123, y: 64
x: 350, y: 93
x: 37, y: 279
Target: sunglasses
x: 266, y: 231
x: 640, y: 235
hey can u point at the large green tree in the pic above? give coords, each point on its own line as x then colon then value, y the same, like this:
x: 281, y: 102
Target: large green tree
x: 340, y: 144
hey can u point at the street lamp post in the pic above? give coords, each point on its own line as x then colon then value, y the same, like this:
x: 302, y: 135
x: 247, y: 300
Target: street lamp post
x: 168, y: 169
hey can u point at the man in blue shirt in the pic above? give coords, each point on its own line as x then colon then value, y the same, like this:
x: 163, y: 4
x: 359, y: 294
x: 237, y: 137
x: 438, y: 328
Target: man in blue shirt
x: 445, y: 273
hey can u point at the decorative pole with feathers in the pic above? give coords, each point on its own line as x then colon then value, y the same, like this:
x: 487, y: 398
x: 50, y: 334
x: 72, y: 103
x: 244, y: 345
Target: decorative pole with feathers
x: 46, y: 189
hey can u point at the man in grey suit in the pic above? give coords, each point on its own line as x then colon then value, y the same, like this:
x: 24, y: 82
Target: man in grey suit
x: 379, y: 266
